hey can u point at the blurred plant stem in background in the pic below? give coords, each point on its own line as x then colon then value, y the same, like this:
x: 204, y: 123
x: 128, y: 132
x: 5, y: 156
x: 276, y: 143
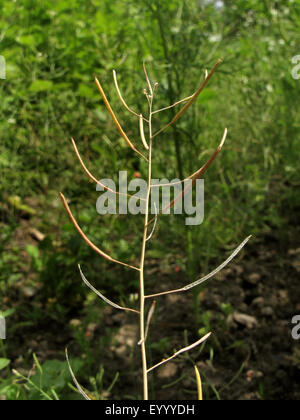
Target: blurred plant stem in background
x: 52, y: 50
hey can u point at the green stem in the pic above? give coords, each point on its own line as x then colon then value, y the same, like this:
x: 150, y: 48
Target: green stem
x: 171, y: 93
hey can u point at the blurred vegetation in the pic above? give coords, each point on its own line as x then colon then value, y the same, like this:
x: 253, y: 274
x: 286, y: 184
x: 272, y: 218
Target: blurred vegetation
x: 52, y: 50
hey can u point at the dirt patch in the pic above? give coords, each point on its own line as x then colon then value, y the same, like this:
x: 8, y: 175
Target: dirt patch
x: 251, y: 354
x: 249, y: 307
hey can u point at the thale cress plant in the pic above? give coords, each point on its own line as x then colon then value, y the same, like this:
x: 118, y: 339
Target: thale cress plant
x: 148, y: 143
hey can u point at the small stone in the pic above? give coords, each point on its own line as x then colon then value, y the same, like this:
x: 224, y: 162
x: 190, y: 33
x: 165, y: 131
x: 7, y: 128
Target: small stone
x: 283, y: 297
x: 173, y: 299
x: 167, y: 371
x: 28, y: 291
x: 246, y: 320
x: 39, y: 236
x: 91, y: 327
x: 267, y: 311
x: 75, y: 323
x: 259, y: 302
x: 296, y: 265
x: 292, y: 252
x: 120, y: 350
x: 127, y: 335
x: 239, y: 269
x: 250, y: 396
x: 254, y: 278
x: 253, y: 374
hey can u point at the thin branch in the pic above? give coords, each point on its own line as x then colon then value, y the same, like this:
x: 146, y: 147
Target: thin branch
x: 112, y: 114
x: 194, y: 176
x: 199, y: 171
x: 155, y: 222
x: 149, y: 317
x: 181, y: 351
x: 91, y: 176
x: 85, y: 238
x: 148, y: 80
x: 109, y: 302
x: 122, y: 99
x: 143, y: 133
x: 223, y: 265
x: 208, y: 276
x: 175, y: 104
x: 193, y: 98
x: 78, y: 386
x: 143, y: 251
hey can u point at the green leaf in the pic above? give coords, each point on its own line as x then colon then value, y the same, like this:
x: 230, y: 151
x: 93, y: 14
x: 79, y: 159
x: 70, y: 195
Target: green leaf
x: 29, y: 40
x: 4, y: 363
x: 17, y: 203
x: 86, y: 91
x: 41, y: 86
x: 33, y: 251
x: 207, y: 95
x: 55, y: 374
x: 7, y: 313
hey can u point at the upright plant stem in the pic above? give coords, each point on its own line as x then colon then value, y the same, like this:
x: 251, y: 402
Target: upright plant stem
x: 142, y: 262
x: 170, y: 90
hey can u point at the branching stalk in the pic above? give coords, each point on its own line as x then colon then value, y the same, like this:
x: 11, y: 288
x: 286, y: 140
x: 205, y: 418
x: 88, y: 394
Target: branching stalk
x: 88, y: 241
x: 197, y: 343
x: 173, y: 105
x: 144, y: 325
x: 144, y: 241
x: 192, y: 177
x: 101, y: 296
x: 192, y: 100
x: 91, y: 176
x: 115, y: 120
x: 122, y: 99
x: 207, y: 277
